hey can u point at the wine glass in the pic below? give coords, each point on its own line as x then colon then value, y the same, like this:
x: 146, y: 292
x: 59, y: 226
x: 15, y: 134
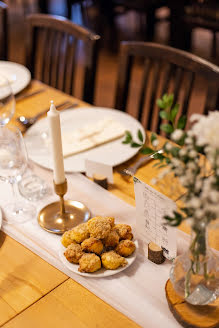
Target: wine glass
x: 13, y: 163
x: 7, y: 101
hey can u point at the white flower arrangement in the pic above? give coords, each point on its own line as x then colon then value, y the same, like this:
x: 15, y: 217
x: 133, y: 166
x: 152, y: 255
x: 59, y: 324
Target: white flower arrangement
x: 200, y: 176
x: 202, y: 198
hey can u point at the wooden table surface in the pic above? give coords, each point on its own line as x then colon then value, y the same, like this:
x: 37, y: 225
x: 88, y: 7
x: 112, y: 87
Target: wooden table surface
x: 35, y: 294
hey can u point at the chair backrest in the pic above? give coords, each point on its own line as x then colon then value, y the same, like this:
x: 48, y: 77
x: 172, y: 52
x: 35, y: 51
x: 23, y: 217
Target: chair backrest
x: 164, y: 70
x: 56, y: 48
x: 3, y: 31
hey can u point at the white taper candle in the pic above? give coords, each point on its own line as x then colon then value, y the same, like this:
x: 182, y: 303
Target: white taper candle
x: 56, y: 144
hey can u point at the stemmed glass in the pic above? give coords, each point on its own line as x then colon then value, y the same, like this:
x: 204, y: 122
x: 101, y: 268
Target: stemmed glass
x: 7, y: 101
x: 13, y: 163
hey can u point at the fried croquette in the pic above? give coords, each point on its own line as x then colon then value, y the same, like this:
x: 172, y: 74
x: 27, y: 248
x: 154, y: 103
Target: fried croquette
x: 129, y: 236
x: 73, y: 253
x: 123, y: 230
x: 111, y: 220
x: 125, y: 248
x: 112, y: 240
x: 80, y: 233
x: 89, y: 263
x: 111, y: 260
x: 99, y: 227
x: 92, y: 245
x: 66, y: 238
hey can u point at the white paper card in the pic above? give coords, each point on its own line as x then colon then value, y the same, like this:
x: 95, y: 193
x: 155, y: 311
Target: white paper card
x: 92, y: 167
x: 151, y: 206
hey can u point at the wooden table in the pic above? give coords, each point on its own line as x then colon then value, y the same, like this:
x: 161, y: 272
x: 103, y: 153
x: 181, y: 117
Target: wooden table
x: 35, y: 294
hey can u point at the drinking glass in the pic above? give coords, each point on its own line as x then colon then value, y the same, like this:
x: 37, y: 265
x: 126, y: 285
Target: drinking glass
x: 7, y: 101
x: 13, y: 163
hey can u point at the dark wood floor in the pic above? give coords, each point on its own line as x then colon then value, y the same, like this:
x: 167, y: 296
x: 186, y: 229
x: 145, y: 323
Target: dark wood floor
x: 127, y: 27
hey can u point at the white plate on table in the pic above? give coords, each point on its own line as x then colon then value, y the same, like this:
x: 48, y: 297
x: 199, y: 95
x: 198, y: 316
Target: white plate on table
x: 100, y: 273
x: 18, y: 75
x: 112, y: 153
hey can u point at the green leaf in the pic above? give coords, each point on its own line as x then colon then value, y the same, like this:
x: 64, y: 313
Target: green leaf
x: 128, y: 134
x: 175, y: 151
x: 153, y: 137
x: 174, y: 112
x: 169, y: 100
x: 167, y: 159
x: 125, y: 142
x: 135, y: 145
x: 158, y: 156
x: 174, y: 221
x: 166, y: 128
x: 128, y: 137
x: 163, y: 165
x: 182, y: 122
x: 156, y: 164
x: 140, y: 136
x: 147, y: 150
x: 160, y: 103
x: 164, y: 115
x: 165, y: 97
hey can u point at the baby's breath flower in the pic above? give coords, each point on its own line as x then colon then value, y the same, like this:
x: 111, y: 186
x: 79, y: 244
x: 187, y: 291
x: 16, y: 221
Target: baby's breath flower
x: 193, y: 154
x: 177, y: 135
x: 153, y: 181
x: 168, y: 146
x: 183, y: 152
x: 155, y: 143
x: 188, y: 140
x: 192, y: 166
x: 194, y: 202
x: 213, y: 196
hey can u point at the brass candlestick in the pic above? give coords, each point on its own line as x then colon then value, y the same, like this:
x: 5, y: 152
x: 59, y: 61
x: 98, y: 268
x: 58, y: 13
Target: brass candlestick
x: 61, y: 216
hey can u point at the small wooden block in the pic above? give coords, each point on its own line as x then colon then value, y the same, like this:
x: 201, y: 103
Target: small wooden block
x: 192, y: 316
x: 155, y: 253
x: 101, y: 180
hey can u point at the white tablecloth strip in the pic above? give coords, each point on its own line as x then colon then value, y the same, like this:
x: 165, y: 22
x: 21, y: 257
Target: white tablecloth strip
x: 138, y: 292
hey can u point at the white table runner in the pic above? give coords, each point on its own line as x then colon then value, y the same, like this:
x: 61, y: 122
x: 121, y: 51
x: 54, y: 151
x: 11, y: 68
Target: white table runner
x: 138, y: 292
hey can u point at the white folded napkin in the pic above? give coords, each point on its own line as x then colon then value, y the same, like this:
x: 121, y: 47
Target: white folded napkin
x: 90, y: 136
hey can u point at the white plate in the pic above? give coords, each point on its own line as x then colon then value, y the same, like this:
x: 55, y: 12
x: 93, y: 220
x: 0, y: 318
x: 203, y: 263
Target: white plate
x: 112, y: 153
x: 18, y: 75
x: 100, y: 273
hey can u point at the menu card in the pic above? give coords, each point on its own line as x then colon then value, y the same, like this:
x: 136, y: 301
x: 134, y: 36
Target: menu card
x: 151, y: 207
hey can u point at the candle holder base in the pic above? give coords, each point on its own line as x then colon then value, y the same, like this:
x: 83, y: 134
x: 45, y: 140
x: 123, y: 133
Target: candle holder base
x: 51, y: 220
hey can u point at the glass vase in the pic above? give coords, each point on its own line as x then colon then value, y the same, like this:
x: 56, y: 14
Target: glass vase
x: 195, y: 274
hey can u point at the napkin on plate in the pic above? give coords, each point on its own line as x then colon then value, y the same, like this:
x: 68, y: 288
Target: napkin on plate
x: 90, y: 136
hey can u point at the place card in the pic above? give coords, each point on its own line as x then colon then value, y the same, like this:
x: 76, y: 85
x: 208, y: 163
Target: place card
x: 92, y: 168
x: 151, y: 206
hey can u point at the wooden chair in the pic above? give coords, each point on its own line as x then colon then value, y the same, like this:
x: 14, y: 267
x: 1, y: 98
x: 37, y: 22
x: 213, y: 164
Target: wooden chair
x: 164, y: 70
x: 52, y: 56
x: 203, y: 14
x: 146, y: 8
x: 3, y: 31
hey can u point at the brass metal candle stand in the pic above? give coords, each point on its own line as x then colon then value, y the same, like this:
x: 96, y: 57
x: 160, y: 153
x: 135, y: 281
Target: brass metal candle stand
x: 61, y: 216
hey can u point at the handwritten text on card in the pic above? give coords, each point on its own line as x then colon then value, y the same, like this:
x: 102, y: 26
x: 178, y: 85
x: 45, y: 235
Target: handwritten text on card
x: 151, y: 206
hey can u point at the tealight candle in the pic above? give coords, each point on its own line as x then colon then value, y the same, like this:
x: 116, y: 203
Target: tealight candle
x: 56, y: 144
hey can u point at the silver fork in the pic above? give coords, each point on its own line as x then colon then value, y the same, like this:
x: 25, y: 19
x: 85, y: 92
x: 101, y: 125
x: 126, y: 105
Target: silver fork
x: 131, y: 170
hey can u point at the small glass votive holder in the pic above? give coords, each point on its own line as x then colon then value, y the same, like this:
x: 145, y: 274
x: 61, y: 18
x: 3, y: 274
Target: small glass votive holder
x: 32, y: 187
